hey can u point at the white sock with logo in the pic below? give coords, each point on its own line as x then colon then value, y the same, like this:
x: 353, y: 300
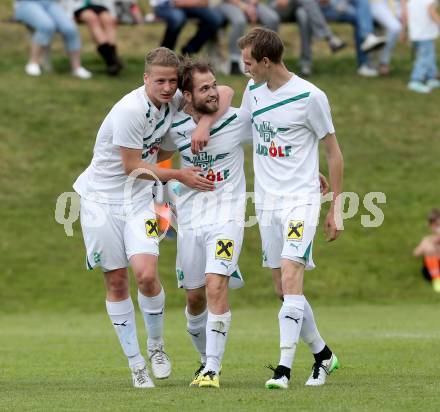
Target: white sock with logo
x: 123, y: 319
x: 152, y: 309
x: 196, y: 327
x: 309, y: 330
x: 217, y: 328
x: 290, y: 320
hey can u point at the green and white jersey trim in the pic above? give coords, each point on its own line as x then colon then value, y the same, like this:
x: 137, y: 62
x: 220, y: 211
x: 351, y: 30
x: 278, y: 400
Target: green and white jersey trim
x: 221, y: 161
x: 287, y: 125
x: 135, y: 123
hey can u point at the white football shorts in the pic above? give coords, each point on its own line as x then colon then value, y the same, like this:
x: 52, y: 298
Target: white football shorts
x: 114, y: 233
x: 209, y: 249
x: 288, y: 234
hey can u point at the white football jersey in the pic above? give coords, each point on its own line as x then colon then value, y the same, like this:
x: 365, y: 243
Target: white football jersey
x: 287, y: 125
x: 221, y: 162
x: 134, y: 122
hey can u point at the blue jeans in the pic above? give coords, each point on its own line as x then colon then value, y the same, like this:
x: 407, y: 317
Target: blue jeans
x: 358, y: 14
x: 210, y: 21
x: 46, y: 17
x: 425, y: 66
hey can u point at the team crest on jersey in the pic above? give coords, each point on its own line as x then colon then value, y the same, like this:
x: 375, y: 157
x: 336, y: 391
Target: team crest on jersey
x: 224, y: 249
x: 267, y: 131
x: 151, y: 228
x: 295, y: 230
x: 204, y: 160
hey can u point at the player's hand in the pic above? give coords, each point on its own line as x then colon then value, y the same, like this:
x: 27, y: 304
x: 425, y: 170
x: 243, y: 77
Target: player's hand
x: 330, y: 228
x: 192, y: 178
x: 199, y: 139
x: 324, y: 184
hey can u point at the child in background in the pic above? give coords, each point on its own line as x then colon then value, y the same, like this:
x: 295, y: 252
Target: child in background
x: 429, y: 248
x: 423, y: 26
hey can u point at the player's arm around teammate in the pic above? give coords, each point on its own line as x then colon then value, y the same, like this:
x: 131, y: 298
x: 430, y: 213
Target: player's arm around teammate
x: 205, y: 275
x: 119, y: 225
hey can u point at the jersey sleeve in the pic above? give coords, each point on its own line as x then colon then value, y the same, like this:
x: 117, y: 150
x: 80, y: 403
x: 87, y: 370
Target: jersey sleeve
x: 128, y: 128
x: 245, y: 135
x: 168, y: 143
x: 318, y: 115
x: 246, y: 102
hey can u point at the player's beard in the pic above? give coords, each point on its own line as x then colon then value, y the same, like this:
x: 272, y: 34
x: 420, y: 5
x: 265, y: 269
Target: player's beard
x: 203, y: 107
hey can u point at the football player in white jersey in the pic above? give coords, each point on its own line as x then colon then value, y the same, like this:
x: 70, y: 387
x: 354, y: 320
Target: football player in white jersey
x: 290, y: 116
x: 210, y: 223
x: 117, y: 214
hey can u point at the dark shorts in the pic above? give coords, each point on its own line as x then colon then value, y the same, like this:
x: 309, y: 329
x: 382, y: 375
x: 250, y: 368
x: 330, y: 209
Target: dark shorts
x: 96, y: 9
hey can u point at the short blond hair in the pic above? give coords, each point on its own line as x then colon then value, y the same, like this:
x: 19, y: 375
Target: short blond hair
x: 161, y: 56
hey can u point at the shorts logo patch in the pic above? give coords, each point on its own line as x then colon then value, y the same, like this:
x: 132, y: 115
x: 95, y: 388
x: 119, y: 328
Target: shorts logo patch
x: 151, y: 228
x: 97, y: 257
x: 295, y: 230
x: 180, y: 275
x: 224, y: 249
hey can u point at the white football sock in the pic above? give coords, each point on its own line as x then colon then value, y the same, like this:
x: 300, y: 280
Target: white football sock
x: 122, y: 317
x: 290, y: 319
x: 152, y: 309
x: 196, y: 327
x: 309, y: 330
x: 217, y: 328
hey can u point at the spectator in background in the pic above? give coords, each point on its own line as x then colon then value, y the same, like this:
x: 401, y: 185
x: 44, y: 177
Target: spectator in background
x: 358, y: 14
x: 175, y: 13
x: 45, y: 17
x: 429, y: 249
x: 238, y: 13
x: 423, y: 26
x: 311, y: 21
x: 386, y: 13
x: 102, y: 26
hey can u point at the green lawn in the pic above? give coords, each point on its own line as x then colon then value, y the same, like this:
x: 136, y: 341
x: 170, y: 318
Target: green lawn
x: 67, y: 361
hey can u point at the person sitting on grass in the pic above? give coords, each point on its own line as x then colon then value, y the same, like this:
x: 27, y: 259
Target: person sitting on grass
x: 429, y: 248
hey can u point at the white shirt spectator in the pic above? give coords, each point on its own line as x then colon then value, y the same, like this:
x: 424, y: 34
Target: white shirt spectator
x: 420, y: 24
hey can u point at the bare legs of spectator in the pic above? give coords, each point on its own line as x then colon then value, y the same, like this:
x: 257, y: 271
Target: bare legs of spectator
x: 102, y: 28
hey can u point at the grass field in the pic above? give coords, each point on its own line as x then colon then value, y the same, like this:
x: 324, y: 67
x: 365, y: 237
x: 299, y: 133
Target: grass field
x: 63, y: 362
x: 57, y: 348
